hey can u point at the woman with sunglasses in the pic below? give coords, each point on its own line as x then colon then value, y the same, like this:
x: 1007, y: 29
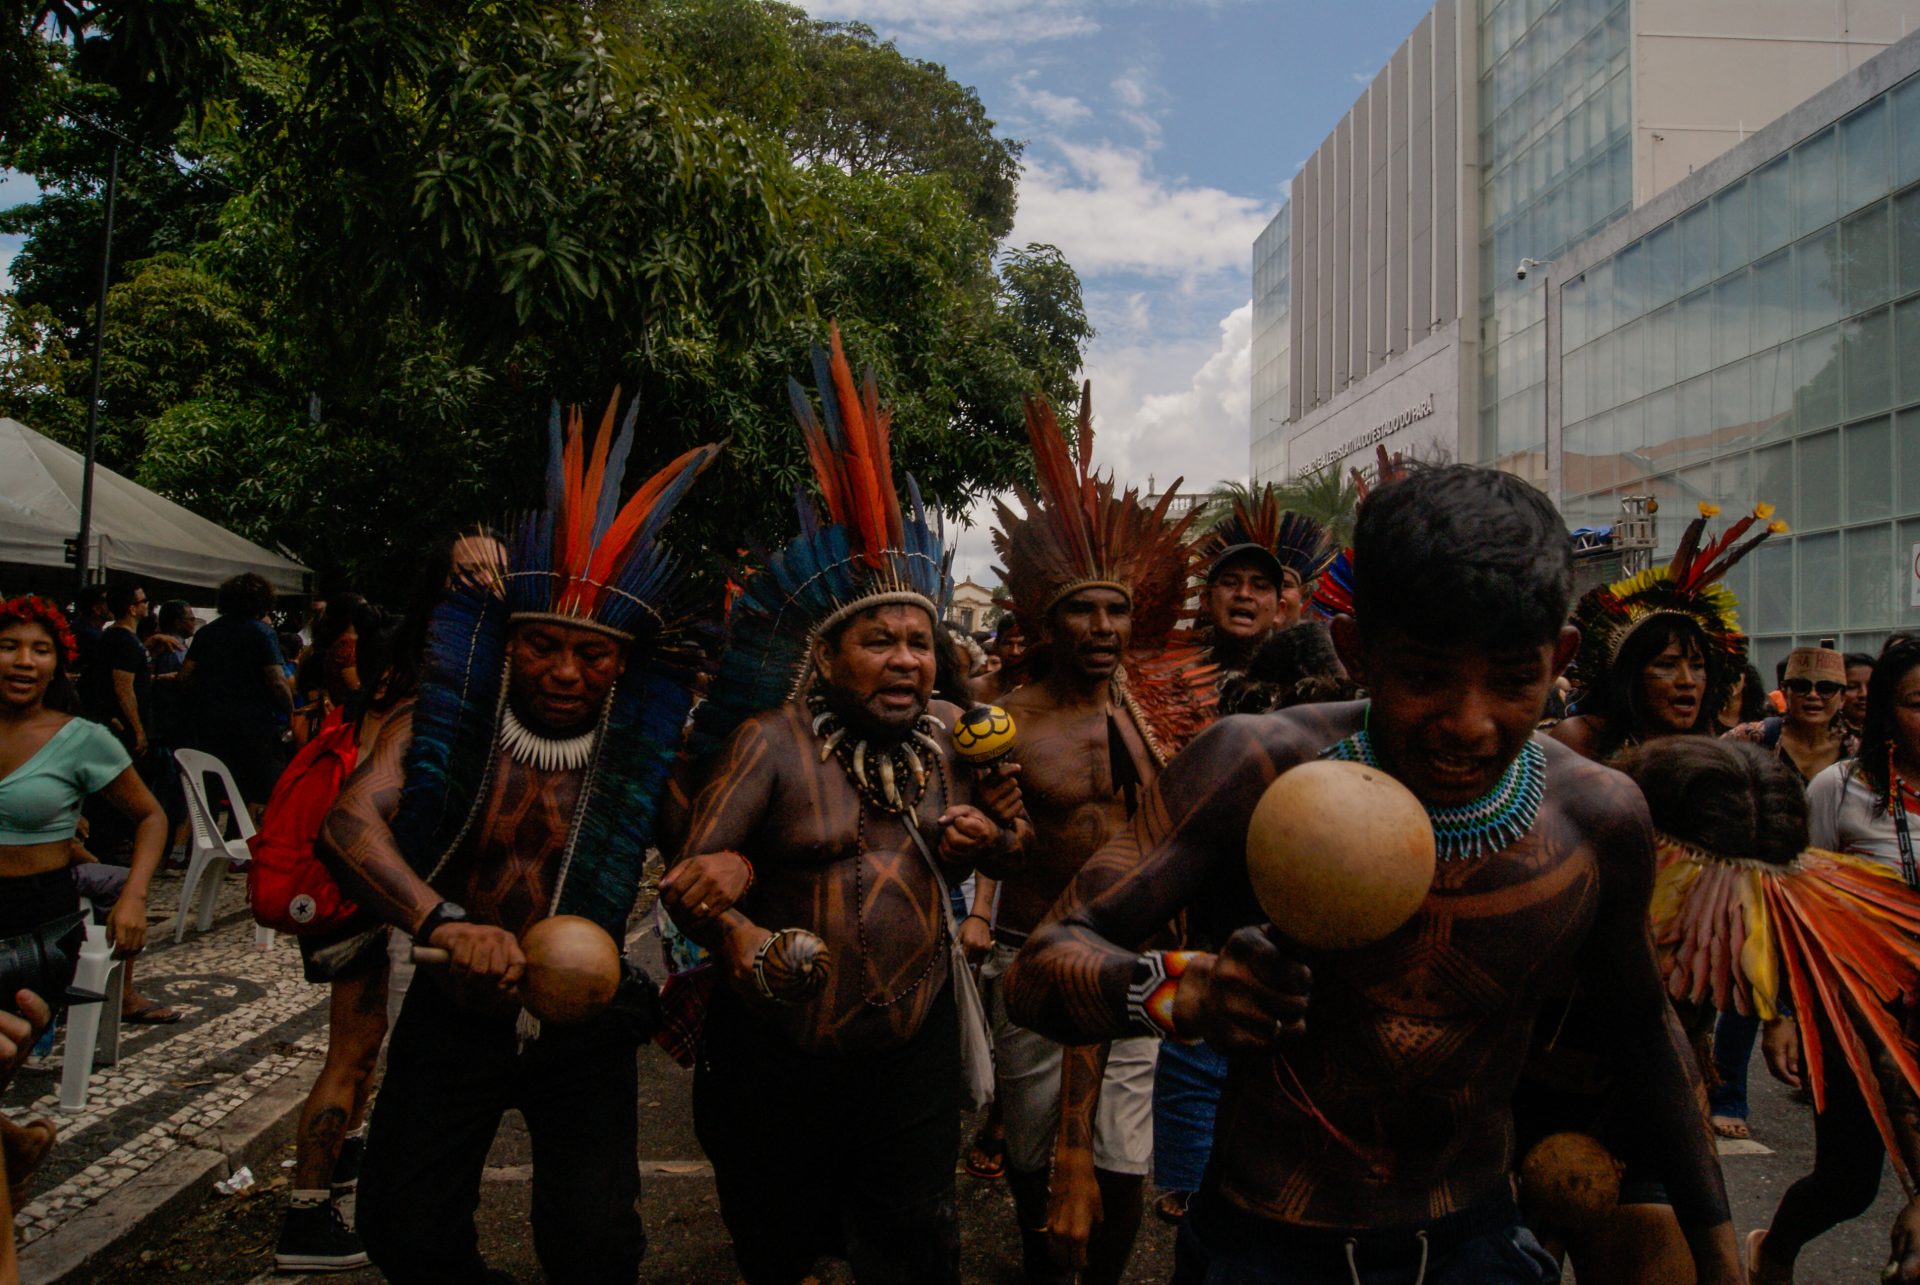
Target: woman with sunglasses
x: 1868, y: 806
x: 1809, y: 737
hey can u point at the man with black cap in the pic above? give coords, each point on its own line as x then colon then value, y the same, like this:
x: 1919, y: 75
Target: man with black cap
x: 1262, y: 562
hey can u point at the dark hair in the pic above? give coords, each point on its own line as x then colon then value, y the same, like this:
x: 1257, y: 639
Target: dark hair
x: 88, y: 598
x: 1855, y: 659
x: 120, y: 598
x: 172, y: 616
x: 1780, y: 671
x: 344, y: 610
x: 246, y: 595
x: 60, y: 695
x: 1753, y: 697
x: 952, y: 664
x: 1459, y: 553
x: 1900, y: 655
x: 1619, y: 701
x: 1727, y: 797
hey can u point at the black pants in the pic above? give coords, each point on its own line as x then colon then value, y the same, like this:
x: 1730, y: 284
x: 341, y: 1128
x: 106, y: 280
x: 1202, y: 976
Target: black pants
x: 1847, y: 1158
x: 451, y: 1074
x: 816, y: 1155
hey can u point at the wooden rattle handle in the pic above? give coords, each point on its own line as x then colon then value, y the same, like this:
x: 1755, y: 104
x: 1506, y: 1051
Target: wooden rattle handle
x: 430, y: 955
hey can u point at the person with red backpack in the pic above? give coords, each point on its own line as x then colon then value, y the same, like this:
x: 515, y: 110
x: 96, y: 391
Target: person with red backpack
x: 346, y: 949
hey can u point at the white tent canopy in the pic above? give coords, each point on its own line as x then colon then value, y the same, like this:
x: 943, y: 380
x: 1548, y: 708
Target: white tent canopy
x: 134, y: 530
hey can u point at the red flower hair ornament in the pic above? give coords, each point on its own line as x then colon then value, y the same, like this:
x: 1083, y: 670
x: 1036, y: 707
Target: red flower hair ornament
x: 32, y: 609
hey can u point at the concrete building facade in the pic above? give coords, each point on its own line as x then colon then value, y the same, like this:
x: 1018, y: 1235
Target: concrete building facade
x: 1501, y: 131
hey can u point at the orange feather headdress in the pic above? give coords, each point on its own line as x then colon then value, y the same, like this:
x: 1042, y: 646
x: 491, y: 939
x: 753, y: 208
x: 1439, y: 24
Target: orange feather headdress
x: 587, y: 560
x: 1078, y: 534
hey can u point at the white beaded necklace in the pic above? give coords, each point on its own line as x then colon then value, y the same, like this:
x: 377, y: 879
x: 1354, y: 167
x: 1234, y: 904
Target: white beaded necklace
x: 530, y: 749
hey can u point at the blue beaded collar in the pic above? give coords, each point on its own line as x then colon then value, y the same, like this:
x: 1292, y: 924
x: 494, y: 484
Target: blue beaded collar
x: 1489, y: 823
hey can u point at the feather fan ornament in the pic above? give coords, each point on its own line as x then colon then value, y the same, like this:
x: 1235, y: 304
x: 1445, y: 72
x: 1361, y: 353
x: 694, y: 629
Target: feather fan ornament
x: 871, y: 550
x: 1688, y: 587
x: 1078, y: 534
x: 1828, y: 934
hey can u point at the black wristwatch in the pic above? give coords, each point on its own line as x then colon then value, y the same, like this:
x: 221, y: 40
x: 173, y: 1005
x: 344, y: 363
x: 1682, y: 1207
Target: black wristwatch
x: 445, y: 913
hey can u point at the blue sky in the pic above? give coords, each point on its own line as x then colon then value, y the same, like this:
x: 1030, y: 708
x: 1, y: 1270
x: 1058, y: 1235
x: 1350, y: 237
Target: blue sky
x: 1160, y: 135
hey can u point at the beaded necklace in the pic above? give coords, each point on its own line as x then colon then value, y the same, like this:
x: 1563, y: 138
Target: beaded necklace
x: 1489, y: 823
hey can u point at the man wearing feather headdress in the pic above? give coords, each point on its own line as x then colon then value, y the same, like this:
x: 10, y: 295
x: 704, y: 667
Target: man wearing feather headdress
x: 1263, y: 563
x: 1098, y: 583
x: 521, y: 784
x: 1370, y: 1131
x: 828, y: 1082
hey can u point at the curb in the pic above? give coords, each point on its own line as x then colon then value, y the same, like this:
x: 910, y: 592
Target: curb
x: 181, y: 1181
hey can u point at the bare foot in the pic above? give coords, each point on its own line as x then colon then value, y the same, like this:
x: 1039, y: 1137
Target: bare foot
x: 1730, y: 1126
x: 26, y: 1148
x: 1760, y: 1269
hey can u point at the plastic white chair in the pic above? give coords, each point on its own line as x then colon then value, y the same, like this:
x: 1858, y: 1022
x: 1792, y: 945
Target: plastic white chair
x: 93, y: 1030
x: 212, y: 852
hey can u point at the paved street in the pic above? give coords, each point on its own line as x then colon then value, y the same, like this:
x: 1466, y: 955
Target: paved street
x: 231, y: 1240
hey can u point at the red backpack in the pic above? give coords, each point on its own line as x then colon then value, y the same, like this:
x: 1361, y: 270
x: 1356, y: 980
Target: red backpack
x: 290, y: 888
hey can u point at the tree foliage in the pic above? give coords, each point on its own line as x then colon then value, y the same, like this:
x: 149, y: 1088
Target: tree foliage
x: 359, y: 247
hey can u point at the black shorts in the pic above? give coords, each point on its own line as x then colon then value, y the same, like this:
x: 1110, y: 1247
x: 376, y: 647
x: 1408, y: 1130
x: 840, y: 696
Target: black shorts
x: 343, y: 955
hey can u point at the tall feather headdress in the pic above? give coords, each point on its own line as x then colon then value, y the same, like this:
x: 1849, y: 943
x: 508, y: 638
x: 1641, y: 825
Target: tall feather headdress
x: 586, y: 561
x: 1078, y: 534
x: 1689, y: 587
x: 1333, y: 595
x: 1292, y: 541
x: 870, y: 551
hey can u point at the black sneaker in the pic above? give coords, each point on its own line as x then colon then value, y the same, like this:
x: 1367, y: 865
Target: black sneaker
x: 346, y: 1177
x: 314, y: 1238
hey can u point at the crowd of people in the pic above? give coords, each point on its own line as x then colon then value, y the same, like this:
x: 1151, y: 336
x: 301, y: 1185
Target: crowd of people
x: 910, y: 872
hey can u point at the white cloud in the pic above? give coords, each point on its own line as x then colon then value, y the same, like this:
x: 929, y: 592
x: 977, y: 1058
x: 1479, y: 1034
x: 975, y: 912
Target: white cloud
x: 1107, y: 213
x: 1057, y: 110
x: 1160, y: 411
x: 1131, y: 88
x: 965, y: 21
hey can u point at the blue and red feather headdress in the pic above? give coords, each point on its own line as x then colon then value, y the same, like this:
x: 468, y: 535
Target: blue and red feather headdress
x: 870, y: 551
x: 1294, y: 540
x: 586, y: 559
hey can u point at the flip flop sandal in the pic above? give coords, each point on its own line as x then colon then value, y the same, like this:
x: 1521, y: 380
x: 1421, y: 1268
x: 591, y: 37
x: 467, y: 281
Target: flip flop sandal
x: 154, y: 1014
x: 1172, y: 1206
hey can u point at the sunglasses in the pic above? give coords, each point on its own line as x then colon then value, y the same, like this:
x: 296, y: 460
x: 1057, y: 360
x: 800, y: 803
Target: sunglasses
x: 1801, y: 686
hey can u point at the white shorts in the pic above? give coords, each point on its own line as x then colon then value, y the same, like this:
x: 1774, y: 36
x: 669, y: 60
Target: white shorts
x: 1027, y: 1068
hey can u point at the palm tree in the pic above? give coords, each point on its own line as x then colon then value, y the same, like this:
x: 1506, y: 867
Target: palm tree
x: 1328, y: 496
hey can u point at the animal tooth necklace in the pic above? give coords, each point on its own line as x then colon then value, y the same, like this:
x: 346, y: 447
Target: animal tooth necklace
x: 892, y: 778
x: 1489, y: 823
x: 530, y: 749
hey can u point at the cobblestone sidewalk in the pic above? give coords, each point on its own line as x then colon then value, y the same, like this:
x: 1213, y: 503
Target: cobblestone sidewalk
x: 249, y: 1020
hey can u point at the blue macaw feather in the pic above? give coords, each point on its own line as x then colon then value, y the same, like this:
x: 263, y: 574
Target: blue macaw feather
x: 607, y: 504
x: 556, y: 470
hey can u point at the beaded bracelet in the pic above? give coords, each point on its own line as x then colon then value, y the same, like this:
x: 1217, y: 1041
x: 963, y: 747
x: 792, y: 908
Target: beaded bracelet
x: 1156, y: 976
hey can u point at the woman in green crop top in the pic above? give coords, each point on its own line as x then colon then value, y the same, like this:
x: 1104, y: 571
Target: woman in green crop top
x: 50, y: 761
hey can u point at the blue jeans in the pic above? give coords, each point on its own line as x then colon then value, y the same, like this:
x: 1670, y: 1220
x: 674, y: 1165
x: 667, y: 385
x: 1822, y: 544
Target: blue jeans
x: 1733, y: 1037
x: 1186, y: 1097
x: 1221, y: 1245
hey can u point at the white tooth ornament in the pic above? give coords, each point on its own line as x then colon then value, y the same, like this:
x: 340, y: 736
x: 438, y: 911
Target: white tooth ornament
x: 932, y: 745
x: 826, y: 750
x: 819, y: 720
x: 860, y: 764
x: 886, y: 780
x: 913, y: 761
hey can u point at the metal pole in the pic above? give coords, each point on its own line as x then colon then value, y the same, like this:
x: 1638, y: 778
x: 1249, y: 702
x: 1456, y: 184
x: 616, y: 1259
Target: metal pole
x: 93, y: 400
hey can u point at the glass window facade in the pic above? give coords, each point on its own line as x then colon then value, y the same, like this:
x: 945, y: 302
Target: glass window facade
x: 1556, y: 155
x: 1778, y: 361
x: 1272, y: 347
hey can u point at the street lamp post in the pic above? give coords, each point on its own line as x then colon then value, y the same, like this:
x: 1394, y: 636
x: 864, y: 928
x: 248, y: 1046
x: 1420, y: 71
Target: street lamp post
x: 82, y: 550
x: 1545, y: 269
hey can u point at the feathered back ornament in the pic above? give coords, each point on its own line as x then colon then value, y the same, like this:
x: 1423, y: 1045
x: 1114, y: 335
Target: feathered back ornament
x: 869, y: 552
x: 1293, y: 541
x: 586, y: 559
x: 1078, y: 534
x: 1689, y: 587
